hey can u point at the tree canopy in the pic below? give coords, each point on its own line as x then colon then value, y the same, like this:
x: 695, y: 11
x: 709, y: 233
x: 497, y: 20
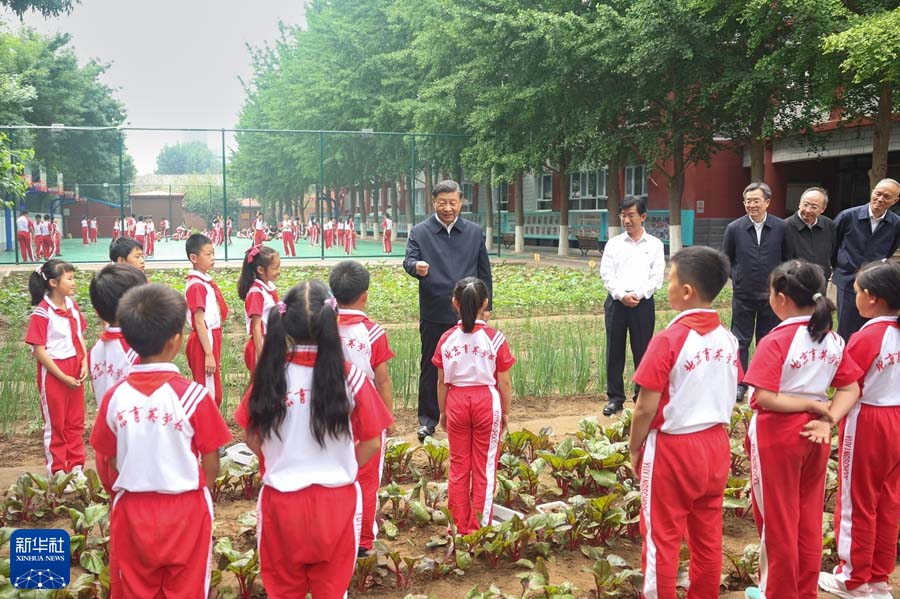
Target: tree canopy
x: 193, y: 157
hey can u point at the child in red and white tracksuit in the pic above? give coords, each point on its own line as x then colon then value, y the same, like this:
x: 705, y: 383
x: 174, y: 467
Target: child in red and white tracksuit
x: 789, y: 437
x: 310, y: 505
x: 365, y: 346
x: 85, y: 231
x: 93, y: 229
x: 387, y: 239
x: 111, y: 358
x: 259, y: 229
x: 56, y: 336
x: 474, y: 395
x: 679, y: 442
x: 259, y: 271
x: 287, y: 236
x: 867, y: 512
x: 207, y: 311
x: 161, y: 433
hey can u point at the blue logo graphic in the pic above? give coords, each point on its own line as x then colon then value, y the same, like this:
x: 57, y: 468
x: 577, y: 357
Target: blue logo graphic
x: 39, y: 558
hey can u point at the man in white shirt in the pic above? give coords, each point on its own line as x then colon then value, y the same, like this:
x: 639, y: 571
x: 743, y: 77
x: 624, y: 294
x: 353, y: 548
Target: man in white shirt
x: 632, y: 270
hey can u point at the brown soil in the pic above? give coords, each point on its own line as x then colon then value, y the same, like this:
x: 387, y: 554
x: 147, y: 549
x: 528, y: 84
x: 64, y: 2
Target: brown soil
x: 23, y: 453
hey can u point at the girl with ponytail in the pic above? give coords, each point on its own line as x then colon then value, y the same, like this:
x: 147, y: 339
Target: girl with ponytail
x: 474, y: 396
x: 865, y: 515
x: 313, y: 420
x: 789, y: 437
x: 256, y: 286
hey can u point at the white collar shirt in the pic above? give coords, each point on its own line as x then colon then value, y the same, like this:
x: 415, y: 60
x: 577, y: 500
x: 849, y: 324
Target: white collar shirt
x: 630, y: 266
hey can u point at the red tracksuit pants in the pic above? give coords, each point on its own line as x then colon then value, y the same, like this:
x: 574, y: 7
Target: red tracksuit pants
x: 161, y: 545
x: 683, y: 480
x: 387, y: 242
x: 25, y: 252
x: 308, y: 540
x: 63, y: 412
x: 48, y: 246
x: 39, y: 247
x: 287, y: 239
x: 867, y: 513
x: 259, y: 235
x: 84, y: 236
x: 196, y: 360
x: 474, y: 420
x: 93, y: 235
x: 369, y: 479
x: 787, y: 476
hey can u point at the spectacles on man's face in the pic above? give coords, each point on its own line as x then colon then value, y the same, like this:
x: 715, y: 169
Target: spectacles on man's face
x: 810, y: 206
x: 753, y: 202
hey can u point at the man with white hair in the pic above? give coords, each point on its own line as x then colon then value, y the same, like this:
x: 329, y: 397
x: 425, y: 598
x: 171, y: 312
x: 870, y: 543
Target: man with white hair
x: 810, y: 234
x: 863, y: 234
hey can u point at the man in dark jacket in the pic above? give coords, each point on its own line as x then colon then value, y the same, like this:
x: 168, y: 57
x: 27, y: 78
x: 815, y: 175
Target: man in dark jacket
x: 755, y: 244
x: 439, y: 252
x: 864, y: 234
x: 811, y: 235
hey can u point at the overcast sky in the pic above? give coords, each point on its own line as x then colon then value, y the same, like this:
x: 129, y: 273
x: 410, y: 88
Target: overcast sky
x: 174, y: 63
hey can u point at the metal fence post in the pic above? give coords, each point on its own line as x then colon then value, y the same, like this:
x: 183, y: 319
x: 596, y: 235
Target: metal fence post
x: 224, y: 197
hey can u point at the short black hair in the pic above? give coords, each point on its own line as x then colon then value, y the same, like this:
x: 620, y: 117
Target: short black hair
x: 703, y: 268
x: 348, y: 280
x: 149, y: 316
x: 121, y: 247
x: 630, y: 201
x: 195, y: 243
x: 108, y: 286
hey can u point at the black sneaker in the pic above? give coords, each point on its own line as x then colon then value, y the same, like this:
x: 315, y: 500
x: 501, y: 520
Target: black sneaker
x: 424, y: 431
x: 613, y: 406
x: 741, y: 393
x: 362, y: 552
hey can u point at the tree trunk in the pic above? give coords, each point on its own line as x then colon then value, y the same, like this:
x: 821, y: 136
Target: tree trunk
x: 676, y: 189
x: 613, y: 199
x: 489, y: 215
x: 520, y: 213
x: 564, y: 203
x: 881, y: 137
x: 757, y: 158
x: 428, y: 187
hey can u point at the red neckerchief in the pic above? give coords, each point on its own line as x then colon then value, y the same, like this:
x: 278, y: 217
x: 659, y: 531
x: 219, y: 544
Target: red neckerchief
x: 73, y: 327
x: 348, y: 319
x: 107, y: 335
x: 273, y: 293
x: 220, y: 300
x: 147, y: 382
x: 303, y: 357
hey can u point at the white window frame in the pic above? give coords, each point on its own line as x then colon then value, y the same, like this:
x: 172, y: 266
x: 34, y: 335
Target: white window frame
x: 466, y: 201
x: 503, y: 197
x: 633, y: 174
x: 595, y: 201
x: 545, y: 192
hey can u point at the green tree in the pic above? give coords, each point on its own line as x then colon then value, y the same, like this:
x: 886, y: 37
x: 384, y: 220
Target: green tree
x: 870, y: 56
x: 193, y: 157
x: 48, y: 8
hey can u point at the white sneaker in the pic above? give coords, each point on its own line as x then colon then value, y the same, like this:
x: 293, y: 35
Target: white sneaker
x: 881, y: 590
x: 79, y: 474
x: 829, y: 583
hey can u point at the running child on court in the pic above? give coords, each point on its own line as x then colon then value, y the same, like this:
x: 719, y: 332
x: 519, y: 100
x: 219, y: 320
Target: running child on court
x: 678, y: 442
x: 474, y: 396
x: 365, y: 345
x: 207, y: 310
x: 128, y: 251
x: 791, y: 372
x: 312, y: 419
x: 111, y: 358
x: 259, y: 271
x: 56, y: 336
x: 160, y: 434
x: 867, y: 512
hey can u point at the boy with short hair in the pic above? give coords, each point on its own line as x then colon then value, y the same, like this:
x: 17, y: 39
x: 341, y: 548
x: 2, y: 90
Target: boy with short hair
x: 154, y: 427
x: 208, y: 311
x: 126, y: 250
x: 679, y: 444
x: 365, y: 346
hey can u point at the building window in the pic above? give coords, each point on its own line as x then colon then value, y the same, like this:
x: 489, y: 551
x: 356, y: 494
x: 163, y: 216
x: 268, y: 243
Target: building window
x: 587, y: 190
x: 466, y: 204
x: 503, y: 197
x: 636, y: 181
x: 545, y: 192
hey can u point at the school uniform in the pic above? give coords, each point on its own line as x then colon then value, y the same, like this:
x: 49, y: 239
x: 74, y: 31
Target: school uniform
x: 140, y: 234
x: 93, y: 230
x: 84, y: 232
x: 61, y: 332
x: 309, y: 508
x: 329, y: 234
x: 201, y: 292
x: 23, y: 235
x: 686, y: 458
x: 287, y: 238
x: 39, y: 240
x: 158, y: 424
x: 341, y: 231
x: 387, y: 240
x: 259, y: 231
x: 56, y: 239
x: 868, y: 505
x: 860, y: 239
x: 260, y: 300
x: 117, y: 229
x: 470, y: 362
x: 365, y: 345
x: 349, y: 239
x: 47, y: 240
x: 787, y: 471
x: 150, y: 237
x: 129, y: 227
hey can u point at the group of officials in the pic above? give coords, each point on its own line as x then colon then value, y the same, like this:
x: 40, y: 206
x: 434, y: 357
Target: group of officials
x: 446, y: 248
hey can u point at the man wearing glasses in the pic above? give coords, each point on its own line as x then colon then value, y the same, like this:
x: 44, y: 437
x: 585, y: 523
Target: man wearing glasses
x: 864, y: 234
x: 755, y: 244
x: 810, y: 233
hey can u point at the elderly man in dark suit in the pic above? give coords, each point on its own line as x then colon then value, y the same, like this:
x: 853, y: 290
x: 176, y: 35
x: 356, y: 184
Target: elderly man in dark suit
x: 755, y: 244
x: 439, y: 252
x: 811, y: 234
